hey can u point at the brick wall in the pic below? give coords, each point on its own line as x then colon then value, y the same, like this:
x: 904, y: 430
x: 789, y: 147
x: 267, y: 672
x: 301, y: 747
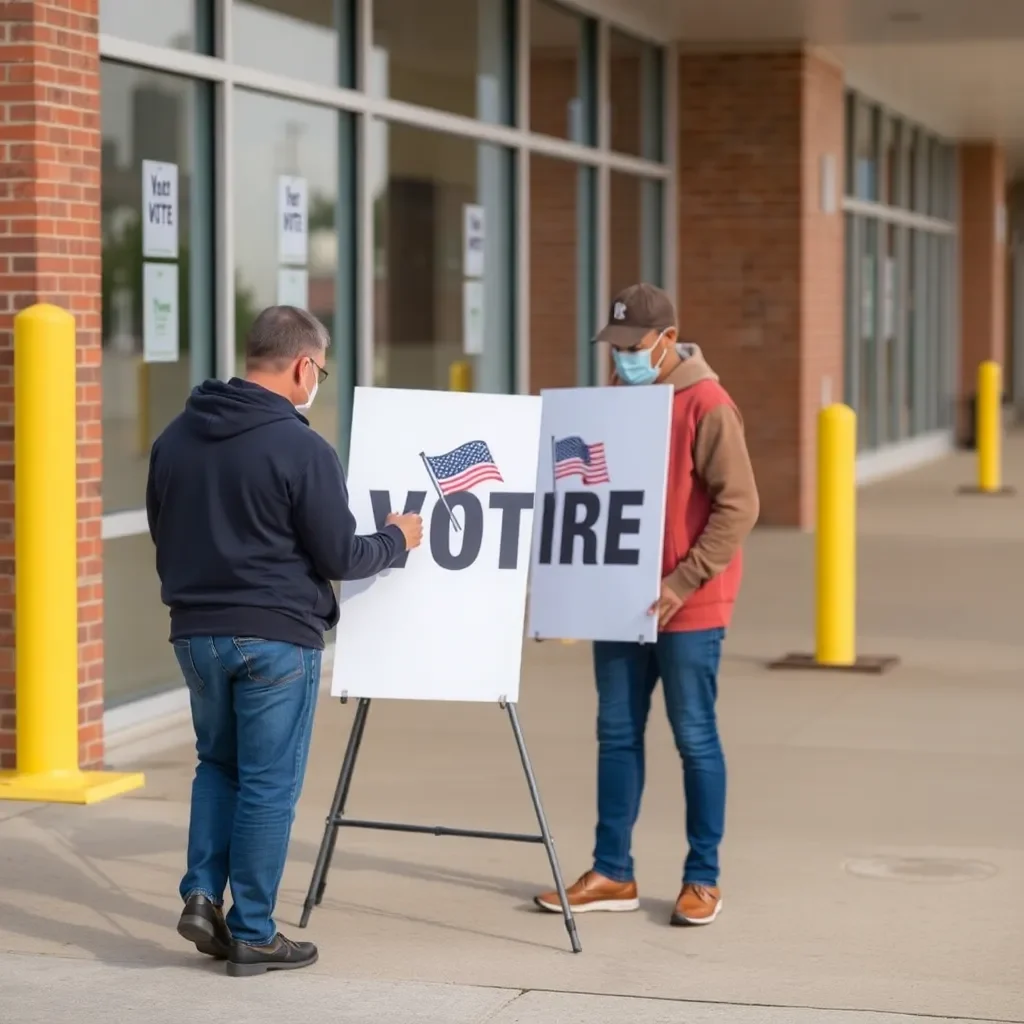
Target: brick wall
x: 760, y: 267
x: 982, y: 268
x: 50, y: 252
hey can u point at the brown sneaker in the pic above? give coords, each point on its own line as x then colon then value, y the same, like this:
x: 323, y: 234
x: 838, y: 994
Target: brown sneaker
x: 593, y: 892
x: 697, y: 904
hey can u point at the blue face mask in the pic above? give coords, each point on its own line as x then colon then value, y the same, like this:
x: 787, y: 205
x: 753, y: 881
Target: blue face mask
x: 636, y: 367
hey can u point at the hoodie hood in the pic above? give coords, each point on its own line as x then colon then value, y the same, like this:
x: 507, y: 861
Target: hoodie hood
x: 692, y: 370
x: 217, y: 409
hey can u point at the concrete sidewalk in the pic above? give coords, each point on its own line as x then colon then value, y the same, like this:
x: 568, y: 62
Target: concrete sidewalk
x: 874, y: 863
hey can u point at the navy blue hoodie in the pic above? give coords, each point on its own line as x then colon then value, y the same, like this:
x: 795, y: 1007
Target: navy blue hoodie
x: 249, y: 512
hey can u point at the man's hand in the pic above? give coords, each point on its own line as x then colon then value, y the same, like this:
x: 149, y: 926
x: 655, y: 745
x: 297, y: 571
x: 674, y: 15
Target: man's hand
x: 668, y: 603
x: 411, y: 526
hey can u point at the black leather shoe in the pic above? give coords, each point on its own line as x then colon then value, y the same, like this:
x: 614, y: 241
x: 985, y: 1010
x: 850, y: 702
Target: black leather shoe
x: 202, y: 922
x: 279, y: 955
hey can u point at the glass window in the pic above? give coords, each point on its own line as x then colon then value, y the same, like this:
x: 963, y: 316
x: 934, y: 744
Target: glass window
x: 562, y: 273
x: 636, y: 88
x: 921, y: 179
x: 312, y: 40
x: 636, y: 232
x: 179, y: 24
x: 563, y: 73
x: 866, y: 143
x: 147, y: 373
x: 455, y: 56
x: 137, y: 659
x: 286, y: 151
x: 892, y: 179
x: 867, y: 354
x: 443, y: 258
x: 889, y: 371
x: 851, y: 299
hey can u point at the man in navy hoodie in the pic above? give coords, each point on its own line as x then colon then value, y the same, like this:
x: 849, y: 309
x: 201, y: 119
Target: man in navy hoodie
x: 249, y: 512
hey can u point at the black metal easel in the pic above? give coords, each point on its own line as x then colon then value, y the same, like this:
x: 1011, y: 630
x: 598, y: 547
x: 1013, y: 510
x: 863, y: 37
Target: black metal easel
x: 336, y: 820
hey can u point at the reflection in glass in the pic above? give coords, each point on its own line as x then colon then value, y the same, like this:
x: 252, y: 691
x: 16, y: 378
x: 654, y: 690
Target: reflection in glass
x: 866, y: 144
x: 277, y: 138
x: 311, y: 40
x: 150, y: 116
x: 636, y: 232
x: 179, y: 24
x: 137, y: 658
x: 867, y: 390
x: 563, y: 73
x: 562, y: 273
x: 888, y: 425
x: 434, y: 302
x: 636, y: 88
x: 454, y: 56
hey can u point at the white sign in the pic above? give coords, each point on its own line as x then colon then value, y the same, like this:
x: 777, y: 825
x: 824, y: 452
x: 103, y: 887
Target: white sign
x: 293, y: 287
x: 448, y: 624
x: 600, y: 523
x: 473, y: 238
x: 292, y: 225
x: 160, y: 312
x: 159, y: 210
x: 472, y: 317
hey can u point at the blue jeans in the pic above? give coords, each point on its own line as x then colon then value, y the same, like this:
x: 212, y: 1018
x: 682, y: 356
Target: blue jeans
x: 252, y: 708
x: 687, y: 664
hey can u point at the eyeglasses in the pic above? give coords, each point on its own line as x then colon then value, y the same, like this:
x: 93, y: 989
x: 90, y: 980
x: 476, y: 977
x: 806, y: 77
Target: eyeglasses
x: 321, y: 373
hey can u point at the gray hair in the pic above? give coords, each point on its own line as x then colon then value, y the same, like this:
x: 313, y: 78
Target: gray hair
x: 281, y: 334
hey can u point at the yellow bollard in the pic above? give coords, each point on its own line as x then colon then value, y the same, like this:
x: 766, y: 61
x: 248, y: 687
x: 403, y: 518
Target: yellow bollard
x: 835, y: 590
x: 988, y: 428
x: 460, y: 376
x: 46, y: 584
x: 836, y: 537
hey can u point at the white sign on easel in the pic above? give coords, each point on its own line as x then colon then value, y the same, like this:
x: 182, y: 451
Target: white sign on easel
x: 468, y: 464
x: 292, y: 221
x: 159, y: 210
x: 600, y: 523
x: 293, y: 287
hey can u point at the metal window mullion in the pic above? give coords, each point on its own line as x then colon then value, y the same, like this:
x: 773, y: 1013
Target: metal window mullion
x: 670, y: 193
x: 224, y: 163
x: 881, y: 253
x: 521, y: 234
x: 366, y: 254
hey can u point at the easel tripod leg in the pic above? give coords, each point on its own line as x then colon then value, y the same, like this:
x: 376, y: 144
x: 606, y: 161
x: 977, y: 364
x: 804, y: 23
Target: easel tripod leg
x: 318, y: 883
x: 542, y: 821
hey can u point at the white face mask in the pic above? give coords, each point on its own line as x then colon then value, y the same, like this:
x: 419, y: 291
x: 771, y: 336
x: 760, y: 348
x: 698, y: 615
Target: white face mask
x: 312, y: 394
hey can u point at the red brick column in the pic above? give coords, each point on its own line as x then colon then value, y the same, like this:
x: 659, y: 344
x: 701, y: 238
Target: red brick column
x: 50, y: 252
x: 760, y: 262
x: 982, y: 266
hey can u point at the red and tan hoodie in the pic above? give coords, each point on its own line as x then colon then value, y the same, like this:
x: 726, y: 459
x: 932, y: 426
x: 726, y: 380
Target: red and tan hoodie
x: 712, y: 501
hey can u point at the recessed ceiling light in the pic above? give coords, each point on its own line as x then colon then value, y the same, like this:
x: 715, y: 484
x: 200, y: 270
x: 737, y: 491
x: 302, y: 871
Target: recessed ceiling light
x: 905, y: 17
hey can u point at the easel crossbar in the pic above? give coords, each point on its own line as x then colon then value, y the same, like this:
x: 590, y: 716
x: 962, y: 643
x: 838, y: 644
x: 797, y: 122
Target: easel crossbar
x: 436, y: 830
x: 336, y: 820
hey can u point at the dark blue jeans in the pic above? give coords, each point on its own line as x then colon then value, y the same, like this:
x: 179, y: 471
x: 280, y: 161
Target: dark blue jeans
x: 252, y: 707
x: 687, y: 664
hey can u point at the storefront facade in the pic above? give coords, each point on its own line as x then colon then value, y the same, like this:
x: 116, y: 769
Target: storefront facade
x: 466, y: 181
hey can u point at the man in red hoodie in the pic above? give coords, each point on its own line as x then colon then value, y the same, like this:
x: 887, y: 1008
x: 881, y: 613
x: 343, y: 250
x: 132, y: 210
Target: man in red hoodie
x: 711, y: 506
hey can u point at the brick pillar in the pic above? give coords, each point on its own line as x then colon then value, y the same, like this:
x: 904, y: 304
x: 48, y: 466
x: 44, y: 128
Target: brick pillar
x: 982, y: 266
x: 760, y: 262
x: 50, y: 252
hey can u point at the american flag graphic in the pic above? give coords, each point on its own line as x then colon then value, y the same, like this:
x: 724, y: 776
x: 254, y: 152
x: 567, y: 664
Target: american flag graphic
x: 574, y: 457
x: 464, y: 467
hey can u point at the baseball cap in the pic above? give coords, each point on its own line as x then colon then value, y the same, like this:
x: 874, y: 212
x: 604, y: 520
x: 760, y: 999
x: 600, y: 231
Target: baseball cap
x: 638, y: 309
